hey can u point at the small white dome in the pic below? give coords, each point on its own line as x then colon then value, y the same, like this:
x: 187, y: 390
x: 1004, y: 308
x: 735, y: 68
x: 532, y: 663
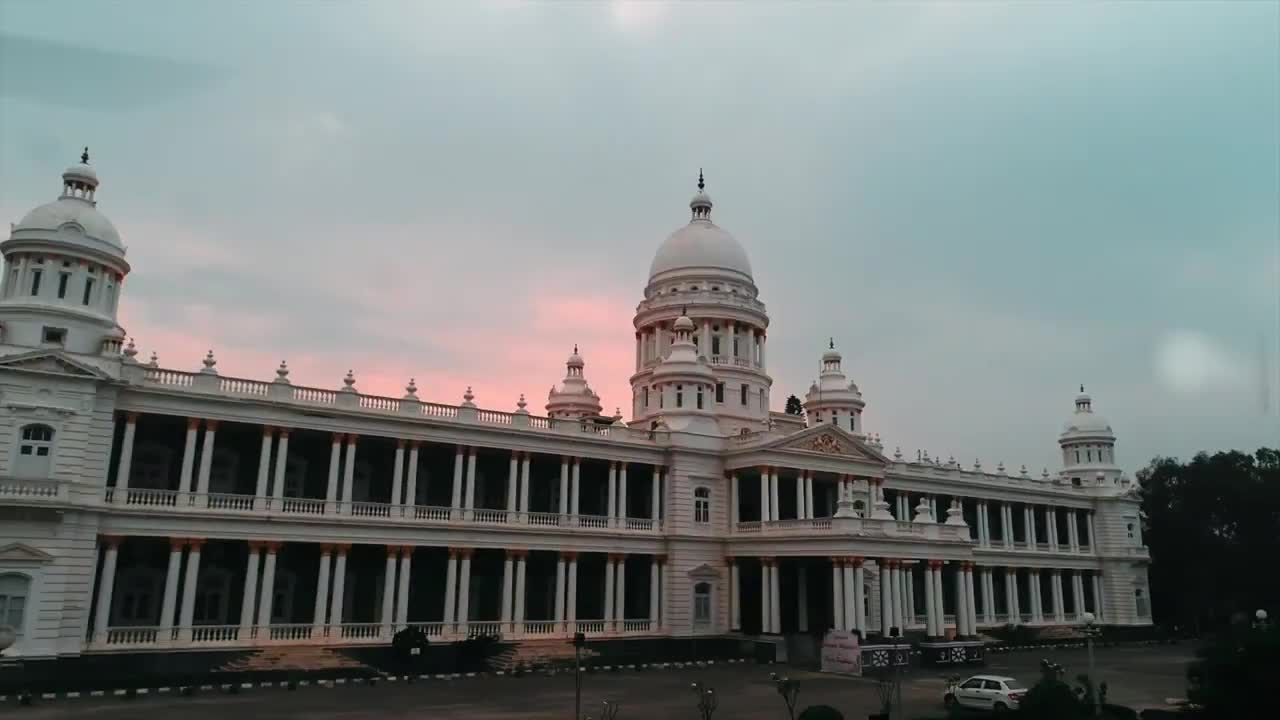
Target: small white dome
x: 700, y: 245
x: 81, y: 171
x: 1084, y: 420
x: 683, y: 323
x: 52, y: 216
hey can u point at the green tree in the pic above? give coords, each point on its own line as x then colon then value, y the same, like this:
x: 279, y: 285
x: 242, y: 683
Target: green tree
x: 1212, y: 524
x: 794, y: 406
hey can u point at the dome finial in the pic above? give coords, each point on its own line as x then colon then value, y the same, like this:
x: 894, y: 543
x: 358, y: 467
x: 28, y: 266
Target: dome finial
x: 831, y: 343
x: 1082, y: 387
x: 84, y: 156
x: 575, y: 348
x: 702, y: 185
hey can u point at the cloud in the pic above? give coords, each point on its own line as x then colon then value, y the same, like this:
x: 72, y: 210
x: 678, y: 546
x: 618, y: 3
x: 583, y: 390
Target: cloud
x: 1190, y: 363
x: 639, y: 15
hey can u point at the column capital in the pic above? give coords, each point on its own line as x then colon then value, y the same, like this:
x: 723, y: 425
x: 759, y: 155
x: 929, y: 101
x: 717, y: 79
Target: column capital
x: 466, y: 553
x: 195, y: 543
x: 569, y: 555
x: 284, y: 432
x: 856, y: 561
x: 400, y: 443
x: 728, y: 559
x: 176, y: 544
x: 935, y: 564
x: 273, y: 546
x: 352, y: 438
x: 338, y: 438
x: 254, y: 545
x: 839, y: 561
x: 660, y: 559
x: 131, y: 417
x: 210, y: 425
x: 1034, y: 570
x: 341, y: 548
x: 617, y: 557
x: 267, y: 430
x: 406, y: 551
x: 415, y: 444
x: 768, y: 560
x: 193, y: 423
x: 112, y: 541
x: 326, y: 548
x: 393, y: 551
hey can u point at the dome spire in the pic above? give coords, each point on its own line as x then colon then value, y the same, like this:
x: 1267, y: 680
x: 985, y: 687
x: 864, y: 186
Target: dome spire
x: 702, y: 185
x: 84, y: 156
x: 701, y: 203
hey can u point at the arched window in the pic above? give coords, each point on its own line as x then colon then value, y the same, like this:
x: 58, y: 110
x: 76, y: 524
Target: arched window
x: 679, y: 396
x: 702, y: 505
x: 702, y: 603
x: 14, y: 589
x: 34, y: 449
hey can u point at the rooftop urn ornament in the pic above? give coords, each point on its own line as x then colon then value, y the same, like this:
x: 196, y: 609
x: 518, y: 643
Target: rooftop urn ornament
x: 467, y: 398
x: 897, y: 453
x: 411, y: 390
x: 521, y: 406
x: 1044, y: 474
x: 924, y: 511
x: 1000, y: 467
x: 282, y: 373
x: 925, y: 456
x: 951, y: 461
x: 1023, y: 472
x: 977, y: 465
x: 130, y: 352
x: 349, y: 382
x: 955, y: 514
x: 154, y: 361
x: 209, y: 362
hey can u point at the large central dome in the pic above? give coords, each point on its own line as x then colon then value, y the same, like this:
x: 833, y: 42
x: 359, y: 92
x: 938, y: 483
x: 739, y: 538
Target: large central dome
x: 701, y: 246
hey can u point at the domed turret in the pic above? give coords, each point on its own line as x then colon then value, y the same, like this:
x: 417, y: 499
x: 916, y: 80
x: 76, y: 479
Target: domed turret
x: 684, y: 382
x: 574, y: 398
x: 834, y: 398
x: 65, y: 263
x: 1088, y: 443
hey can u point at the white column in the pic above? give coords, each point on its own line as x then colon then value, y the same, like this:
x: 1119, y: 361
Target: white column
x: 170, y: 601
x: 1032, y: 536
x: 766, y: 593
x: 206, y: 455
x: 1011, y: 596
x: 455, y: 498
x: 871, y: 495
x: 886, y: 595
x: 339, y: 584
x: 349, y: 471
x: 186, y: 482
x: 571, y: 603
x: 800, y: 494
x: 1073, y: 532
x: 335, y: 461
x: 1088, y: 527
x: 620, y: 595
x: 387, y: 616
x: 970, y: 599
x: 451, y: 590
x: 808, y: 496
x: 609, y: 570
x: 575, y: 490
x: 508, y: 575
x: 411, y: 485
x: 775, y: 510
x: 1006, y: 525
x: 622, y: 491
x: 839, y: 620
x: 1097, y: 594
x: 189, y: 589
x: 264, y: 464
x: 988, y: 596
x: 1037, y: 604
x: 402, y: 595
x: 1077, y: 592
x: 470, y: 502
x: 611, y: 501
x: 911, y: 598
x: 513, y: 484
x: 765, y: 513
x: 397, y: 475
x: 1059, y: 607
x: 282, y: 461
x: 125, y: 465
x: 855, y: 577
x: 266, y: 593
x: 1051, y: 527
x: 984, y: 539
x: 517, y: 612
x: 464, y: 587
x: 526, y: 477
x: 775, y: 603
x: 962, y: 612
x: 655, y: 596
x: 895, y: 593
x: 656, y: 510
x: 322, y: 590
x: 560, y: 579
x: 733, y: 501
x: 564, y: 485
x: 249, y: 600
x: 930, y: 607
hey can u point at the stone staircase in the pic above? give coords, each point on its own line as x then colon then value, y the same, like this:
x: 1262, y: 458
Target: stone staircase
x: 537, y: 653
x: 307, y: 658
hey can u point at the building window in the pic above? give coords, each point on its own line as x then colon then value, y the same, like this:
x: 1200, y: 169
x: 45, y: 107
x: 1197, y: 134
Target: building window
x: 817, y: 418
x: 764, y: 400
x: 14, y: 589
x: 34, y: 449
x: 1141, y: 603
x: 852, y: 426
x: 715, y: 344
x: 719, y: 392
x: 743, y: 389
x: 699, y: 397
x: 679, y: 396
x: 702, y: 604
x: 35, y: 282
x: 54, y: 336
x: 1075, y: 481
x: 88, y: 291
x: 63, y: 279
x: 1077, y: 457
x: 702, y: 505
x: 646, y: 395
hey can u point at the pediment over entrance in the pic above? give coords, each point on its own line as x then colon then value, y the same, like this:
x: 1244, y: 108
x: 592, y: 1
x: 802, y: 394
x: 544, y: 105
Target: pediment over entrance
x: 704, y: 571
x: 50, y: 362
x: 832, y: 441
x: 18, y: 552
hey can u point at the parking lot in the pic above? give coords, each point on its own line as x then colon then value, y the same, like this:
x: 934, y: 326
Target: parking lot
x: 1137, y: 676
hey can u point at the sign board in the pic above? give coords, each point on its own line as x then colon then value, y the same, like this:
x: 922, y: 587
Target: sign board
x: 841, y: 653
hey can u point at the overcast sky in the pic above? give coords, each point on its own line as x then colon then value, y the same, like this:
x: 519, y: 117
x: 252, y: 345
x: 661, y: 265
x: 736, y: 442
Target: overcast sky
x: 985, y: 204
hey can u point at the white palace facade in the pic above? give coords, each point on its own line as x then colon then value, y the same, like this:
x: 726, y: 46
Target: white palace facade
x: 147, y: 508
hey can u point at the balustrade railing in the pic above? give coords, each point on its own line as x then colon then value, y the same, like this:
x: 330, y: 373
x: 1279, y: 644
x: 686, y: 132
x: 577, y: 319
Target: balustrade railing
x: 240, y: 386
x: 291, y: 632
x: 215, y: 633
x: 361, y: 631
x: 633, y: 626
x: 475, y: 629
x: 13, y: 489
x: 229, y: 501
x: 543, y: 519
x: 638, y: 523
x: 541, y: 627
x: 483, y: 515
x: 370, y: 509
x: 302, y: 506
x: 133, y: 635
x: 591, y: 627
x: 430, y: 629
x: 593, y: 521
x: 427, y: 512
x: 151, y: 498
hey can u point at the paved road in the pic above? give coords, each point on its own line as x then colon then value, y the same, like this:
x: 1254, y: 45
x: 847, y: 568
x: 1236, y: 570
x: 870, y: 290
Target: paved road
x: 1146, y: 675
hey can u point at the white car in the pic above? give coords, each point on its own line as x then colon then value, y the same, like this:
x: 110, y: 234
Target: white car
x: 986, y: 692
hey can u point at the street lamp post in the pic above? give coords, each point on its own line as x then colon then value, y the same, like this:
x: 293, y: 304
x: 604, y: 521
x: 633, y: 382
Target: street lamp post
x: 1093, y: 680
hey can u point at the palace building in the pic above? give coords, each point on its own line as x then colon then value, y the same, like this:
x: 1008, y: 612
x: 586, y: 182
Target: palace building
x: 147, y: 508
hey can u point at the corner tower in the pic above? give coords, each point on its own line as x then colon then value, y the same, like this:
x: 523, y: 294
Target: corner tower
x: 702, y: 272
x: 65, y: 265
x: 1088, y: 446
x: 834, y: 398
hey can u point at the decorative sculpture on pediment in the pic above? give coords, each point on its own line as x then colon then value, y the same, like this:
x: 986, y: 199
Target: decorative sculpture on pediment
x: 826, y: 443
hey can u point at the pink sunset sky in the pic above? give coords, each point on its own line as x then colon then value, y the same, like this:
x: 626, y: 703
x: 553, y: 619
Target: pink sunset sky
x: 985, y: 204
